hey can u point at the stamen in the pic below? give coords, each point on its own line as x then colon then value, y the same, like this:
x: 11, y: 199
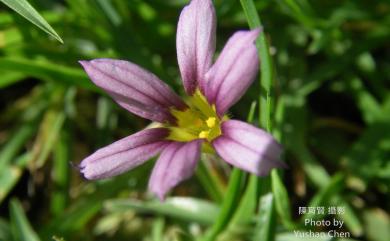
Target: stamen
x: 211, y: 122
x: 204, y: 134
x: 199, y: 120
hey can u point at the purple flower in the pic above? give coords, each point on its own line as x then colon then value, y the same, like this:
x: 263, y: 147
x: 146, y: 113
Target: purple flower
x: 187, y: 127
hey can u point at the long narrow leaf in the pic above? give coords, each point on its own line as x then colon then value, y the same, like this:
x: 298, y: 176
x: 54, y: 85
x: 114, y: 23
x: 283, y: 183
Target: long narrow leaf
x: 27, y: 11
x: 282, y: 201
x: 47, y: 71
x: 248, y: 202
x: 10, y: 175
x: 267, y: 71
x: 21, y: 228
x: 188, y: 209
x: 266, y: 219
x: 230, y: 202
x: 5, y: 230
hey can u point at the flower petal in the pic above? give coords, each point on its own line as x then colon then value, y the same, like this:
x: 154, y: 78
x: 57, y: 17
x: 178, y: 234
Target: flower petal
x: 234, y: 70
x: 124, y: 154
x: 248, y: 148
x: 176, y: 163
x: 134, y: 88
x: 195, y: 42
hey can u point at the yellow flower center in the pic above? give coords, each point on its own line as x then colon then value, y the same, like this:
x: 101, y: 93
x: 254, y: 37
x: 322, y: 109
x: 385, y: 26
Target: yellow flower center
x: 200, y: 120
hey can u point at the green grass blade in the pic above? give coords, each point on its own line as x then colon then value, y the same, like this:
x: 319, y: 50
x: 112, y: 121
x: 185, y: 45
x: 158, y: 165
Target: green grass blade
x: 23, y: 8
x: 334, y: 186
x: 187, y: 209
x: 74, y: 217
x: 266, y: 67
x: 282, y: 201
x: 267, y: 210
x: 248, y: 203
x: 251, y: 13
x: 48, y: 71
x: 10, y: 175
x: 209, y: 181
x: 5, y: 230
x: 109, y: 10
x: 84, y: 209
x: 16, y: 142
x: 10, y: 78
x: 266, y: 219
x: 228, y: 205
x: 61, y: 173
x: 21, y: 228
x: 158, y: 229
x: 47, y: 137
x: 350, y: 217
x: 300, y: 13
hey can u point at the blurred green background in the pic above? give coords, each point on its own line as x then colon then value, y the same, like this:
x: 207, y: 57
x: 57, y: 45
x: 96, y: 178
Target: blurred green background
x: 331, y: 113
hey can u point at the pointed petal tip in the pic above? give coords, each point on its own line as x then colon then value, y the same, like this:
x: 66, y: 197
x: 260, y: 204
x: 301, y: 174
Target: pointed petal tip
x: 84, y: 164
x: 160, y: 195
x: 84, y: 174
x: 267, y: 167
x: 156, y: 191
x: 87, y: 66
x: 88, y: 175
x: 254, y: 33
x: 257, y: 30
x: 83, y: 62
x: 124, y: 154
x: 95, y: 61
x: 161, y: 198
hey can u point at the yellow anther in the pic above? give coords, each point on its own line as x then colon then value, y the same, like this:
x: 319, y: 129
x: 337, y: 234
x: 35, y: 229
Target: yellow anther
x: 211, y: 122
x: 204, y: 134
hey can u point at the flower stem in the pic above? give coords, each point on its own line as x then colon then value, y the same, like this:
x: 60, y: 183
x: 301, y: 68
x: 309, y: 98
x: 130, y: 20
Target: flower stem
x: 210, y: 182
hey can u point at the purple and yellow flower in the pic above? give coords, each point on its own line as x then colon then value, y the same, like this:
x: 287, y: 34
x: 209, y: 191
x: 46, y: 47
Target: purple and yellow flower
x: 188, y: 127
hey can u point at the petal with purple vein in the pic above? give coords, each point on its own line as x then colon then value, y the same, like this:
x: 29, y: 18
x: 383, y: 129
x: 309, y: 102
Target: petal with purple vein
x: 176, y: 163
x: 195, y: 43
x: 234, y: 71
x: 124, y: 154
x: 134, y: 88
x: 248, y: 148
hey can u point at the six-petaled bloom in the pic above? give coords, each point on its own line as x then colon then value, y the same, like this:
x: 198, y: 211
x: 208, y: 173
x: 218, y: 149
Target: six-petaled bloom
x: 191, y: 126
